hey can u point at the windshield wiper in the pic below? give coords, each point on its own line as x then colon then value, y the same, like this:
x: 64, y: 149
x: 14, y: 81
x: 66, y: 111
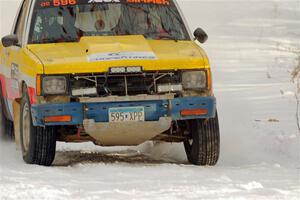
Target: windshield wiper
x: 55, y: 40
x: 169, y: 37
x: 160, y: 36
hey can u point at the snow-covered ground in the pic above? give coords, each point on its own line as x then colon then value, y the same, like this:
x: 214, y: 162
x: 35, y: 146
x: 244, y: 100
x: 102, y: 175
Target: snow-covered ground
x: 251, y: 49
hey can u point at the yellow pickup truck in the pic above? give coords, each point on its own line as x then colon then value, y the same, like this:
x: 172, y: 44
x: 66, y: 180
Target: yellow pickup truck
x: 114, y: 72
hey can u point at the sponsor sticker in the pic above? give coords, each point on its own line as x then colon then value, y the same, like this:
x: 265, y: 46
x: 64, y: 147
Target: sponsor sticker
x: 122, y: 56
x: 161, y: 2
x: 59, y: 3
x: 104, y: 1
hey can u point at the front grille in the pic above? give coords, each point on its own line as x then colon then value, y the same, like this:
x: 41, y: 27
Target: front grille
x: 124, y: 84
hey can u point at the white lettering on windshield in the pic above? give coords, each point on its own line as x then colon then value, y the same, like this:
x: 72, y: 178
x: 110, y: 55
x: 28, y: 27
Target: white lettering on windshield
x: 104, y: 1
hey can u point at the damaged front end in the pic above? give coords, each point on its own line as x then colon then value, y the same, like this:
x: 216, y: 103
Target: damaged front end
x: 122, y: 107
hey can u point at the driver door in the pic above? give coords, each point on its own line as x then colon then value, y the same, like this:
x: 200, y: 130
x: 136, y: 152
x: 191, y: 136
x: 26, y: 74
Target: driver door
x: 12, y: 59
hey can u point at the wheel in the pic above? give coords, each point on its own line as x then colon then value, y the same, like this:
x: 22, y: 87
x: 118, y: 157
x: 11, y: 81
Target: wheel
x: 38, y: 144
x: 203, y: 143
x: 6, y: 126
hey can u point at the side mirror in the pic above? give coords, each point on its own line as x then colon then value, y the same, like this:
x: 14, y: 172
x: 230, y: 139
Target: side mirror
x: 200, y: 35
x: 10, y: 40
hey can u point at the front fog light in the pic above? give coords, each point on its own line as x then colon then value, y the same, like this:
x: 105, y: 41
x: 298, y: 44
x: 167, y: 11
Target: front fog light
x: 117, y: 70
x: 194, y: 80
x: 134, y: 69
x: 54, y: 85
x: 169, y: 88
x: 127, y: 70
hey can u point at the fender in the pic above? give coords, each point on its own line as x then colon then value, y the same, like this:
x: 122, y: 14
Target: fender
x: 4, y: 99
x: 9, y: 98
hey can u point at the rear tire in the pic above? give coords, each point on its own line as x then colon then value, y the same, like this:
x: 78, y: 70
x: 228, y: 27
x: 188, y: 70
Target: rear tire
x: 38, y: 144
x: 203, y: 145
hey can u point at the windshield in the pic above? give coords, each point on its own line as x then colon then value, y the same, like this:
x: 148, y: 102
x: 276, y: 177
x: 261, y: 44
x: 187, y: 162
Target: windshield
x: 69, y: 20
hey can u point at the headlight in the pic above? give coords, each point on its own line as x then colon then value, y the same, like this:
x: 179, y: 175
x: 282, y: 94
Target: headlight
x: 194, y: 80
x: 52, y: 85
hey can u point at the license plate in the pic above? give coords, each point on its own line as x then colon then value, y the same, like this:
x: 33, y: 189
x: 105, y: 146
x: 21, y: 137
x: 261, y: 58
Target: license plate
x: 126, y: 114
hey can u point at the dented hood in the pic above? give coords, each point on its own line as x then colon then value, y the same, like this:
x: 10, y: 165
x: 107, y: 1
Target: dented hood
x: 98, y: 54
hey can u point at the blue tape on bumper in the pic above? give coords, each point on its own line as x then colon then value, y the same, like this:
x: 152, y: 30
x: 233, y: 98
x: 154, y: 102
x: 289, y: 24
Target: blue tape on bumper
x: 190, y: 103
x: 154, y: 109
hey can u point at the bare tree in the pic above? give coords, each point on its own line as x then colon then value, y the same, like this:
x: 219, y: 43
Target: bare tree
x: 296, y: 80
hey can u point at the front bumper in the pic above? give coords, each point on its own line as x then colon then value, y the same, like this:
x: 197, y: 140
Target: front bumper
x: 98, y: 111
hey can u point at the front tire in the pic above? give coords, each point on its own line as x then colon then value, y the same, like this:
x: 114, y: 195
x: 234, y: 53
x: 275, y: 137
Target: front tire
x: 38, y: 144
x: 203, y: 144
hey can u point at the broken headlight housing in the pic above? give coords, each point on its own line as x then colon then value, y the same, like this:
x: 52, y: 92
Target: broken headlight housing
x: 195, y: 80
x: 54, y: 85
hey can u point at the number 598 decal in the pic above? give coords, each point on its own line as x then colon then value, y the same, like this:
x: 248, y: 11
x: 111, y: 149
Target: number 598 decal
x: 64, y: 2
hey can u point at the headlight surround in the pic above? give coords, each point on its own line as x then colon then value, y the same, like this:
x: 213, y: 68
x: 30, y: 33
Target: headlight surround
x: 54, y: 85
x: 195, y: 80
